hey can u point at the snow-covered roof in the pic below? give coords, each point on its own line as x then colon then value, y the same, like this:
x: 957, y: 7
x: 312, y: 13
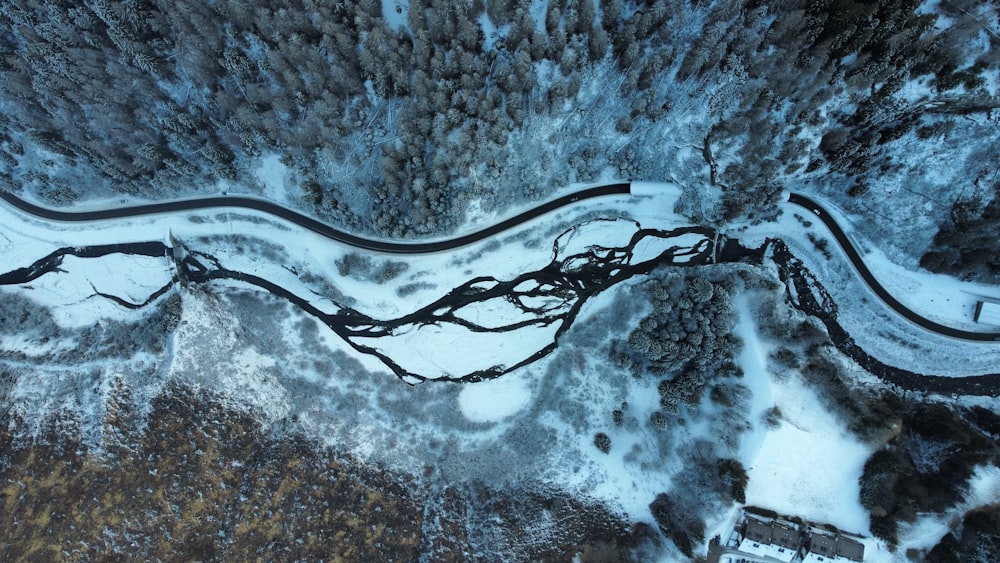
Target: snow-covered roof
x: 824, y: 547
x: 781, y: 553
x: 988, y: 312
x: 775, y: 540
x: 822, y: 544
x: 751, y: 547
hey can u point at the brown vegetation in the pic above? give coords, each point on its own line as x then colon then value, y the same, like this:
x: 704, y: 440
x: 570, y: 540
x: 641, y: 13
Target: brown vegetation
x: 196, y: 480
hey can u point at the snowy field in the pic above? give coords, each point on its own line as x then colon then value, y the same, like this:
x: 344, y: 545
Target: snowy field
x: 874, y: 326
x: 808, y: 464
x: 536, y: 424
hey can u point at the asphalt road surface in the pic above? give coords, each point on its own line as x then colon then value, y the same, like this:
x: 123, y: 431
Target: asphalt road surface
x: 310, y: 223
x: 881, y: 292
x: 457, y: 242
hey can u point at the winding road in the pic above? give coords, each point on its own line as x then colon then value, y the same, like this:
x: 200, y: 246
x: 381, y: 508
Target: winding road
x: 457, y: 242
x: 883, y: 294
x: 314, y: 225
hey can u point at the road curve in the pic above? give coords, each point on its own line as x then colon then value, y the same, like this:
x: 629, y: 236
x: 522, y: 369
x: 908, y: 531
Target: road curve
x: 859, y: 265
x: 391, y: 247
x: 314, y: 225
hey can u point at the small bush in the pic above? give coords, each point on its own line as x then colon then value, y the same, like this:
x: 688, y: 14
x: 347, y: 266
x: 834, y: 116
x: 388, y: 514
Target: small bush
x: 617, y: 416
x: 772, y: 417
x: 602, y: 441
x: 658, y: 420
x: 785, y: 358
x: 363, y: 268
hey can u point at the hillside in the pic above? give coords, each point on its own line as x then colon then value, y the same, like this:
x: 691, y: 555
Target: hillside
x: 398, y: 118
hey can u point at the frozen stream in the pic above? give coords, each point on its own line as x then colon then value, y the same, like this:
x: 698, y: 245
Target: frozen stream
x: 489, y: 324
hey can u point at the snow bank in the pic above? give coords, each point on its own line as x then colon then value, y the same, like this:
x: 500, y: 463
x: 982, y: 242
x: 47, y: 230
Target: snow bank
x: 72, y: 291
x: 450, y: 351
x: 495, y: 400
x: 657, y: 189
x: 809, y: 466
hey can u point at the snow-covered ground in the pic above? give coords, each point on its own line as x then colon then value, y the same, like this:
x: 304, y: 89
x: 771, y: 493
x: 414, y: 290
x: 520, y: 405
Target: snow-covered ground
x: 808, y: 464
x: 283, y: 253
x: 874, y: 326
x: 396, y: 12
x: 938, y: 297
x: 495, y: 399
x: 538, y: 423
x: 535, y: 424
x: 73, y: 299
x: 928, y: 529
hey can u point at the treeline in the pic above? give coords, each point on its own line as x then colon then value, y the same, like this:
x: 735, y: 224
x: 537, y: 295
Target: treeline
x: 968, y: 246
x: 381, y: 126
x: 686, y: 340
x: 867, y: 51
x: 394, y: 130
x: 927, y: 466
x: 976, y: 539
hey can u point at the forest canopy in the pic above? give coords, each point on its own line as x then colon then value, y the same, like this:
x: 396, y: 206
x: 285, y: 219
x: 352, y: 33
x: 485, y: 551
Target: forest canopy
x: 393, y: 117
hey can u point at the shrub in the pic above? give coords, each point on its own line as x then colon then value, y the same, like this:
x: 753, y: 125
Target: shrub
x: 602, y: 441
x: 772, y: 417
x: 617, y: 416
x: 364, y: 268
x: 680, y: 523
x: 658, y: 420
x: 732, y: 473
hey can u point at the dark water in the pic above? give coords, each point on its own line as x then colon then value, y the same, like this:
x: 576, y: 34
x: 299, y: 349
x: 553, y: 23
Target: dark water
x: 564, y: 285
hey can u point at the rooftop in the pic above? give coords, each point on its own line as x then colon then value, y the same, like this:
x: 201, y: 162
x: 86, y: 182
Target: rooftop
x: 767, y: 538
x: 822, y: 544
x: 785, y: 536
x: 780, y: 553
x: 758, y: 530
x: 752, y: 547
x: 988, y: 312
x: 833, y: 547
x: 850, y: 549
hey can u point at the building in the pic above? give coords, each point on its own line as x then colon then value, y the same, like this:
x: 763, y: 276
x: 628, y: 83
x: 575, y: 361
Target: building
x: 767, y: 540
x: 987, y: 312
x: 785, y: 536
x: 757, y: 530
x: 850, y: 549
x: 762, y: 539
x: 824, y: 547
